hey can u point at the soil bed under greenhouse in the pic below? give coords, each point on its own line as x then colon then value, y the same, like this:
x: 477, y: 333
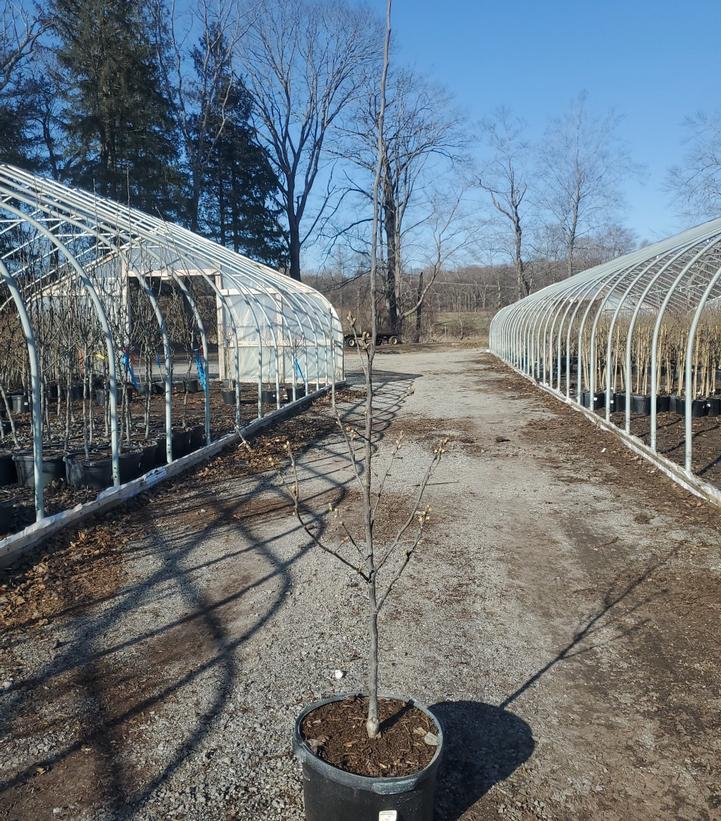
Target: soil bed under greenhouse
x: 670, y: 441
x: 17, y: 509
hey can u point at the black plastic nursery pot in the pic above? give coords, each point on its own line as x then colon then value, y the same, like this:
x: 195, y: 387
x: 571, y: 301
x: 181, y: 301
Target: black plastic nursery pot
x: 713, y: 407
x: 7, y: 519
x: 19, y: 403
x: 181, y: 445
x: 192, y: 385
x: 76, y: 392
x: 331, y: 794
x: 197, y: 437
x: 53, y: 468
x: 228, y: 396
x: 599, y: 400
x: 268, y: 396
x: 148, y: 456
x: 640, y: 404
x: 619, y: 401
x: 97, y: 471
x: 8, y: 472
x: 678, y: 405
x: 663, y: 403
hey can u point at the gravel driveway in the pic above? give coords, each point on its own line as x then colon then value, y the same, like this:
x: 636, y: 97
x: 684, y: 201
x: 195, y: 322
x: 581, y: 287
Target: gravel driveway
x: 562, y: 615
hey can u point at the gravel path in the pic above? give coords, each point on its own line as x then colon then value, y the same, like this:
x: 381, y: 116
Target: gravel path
x: 562, y: 615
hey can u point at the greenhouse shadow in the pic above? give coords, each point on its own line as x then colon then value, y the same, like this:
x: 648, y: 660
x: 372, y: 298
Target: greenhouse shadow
x: 114, y: 694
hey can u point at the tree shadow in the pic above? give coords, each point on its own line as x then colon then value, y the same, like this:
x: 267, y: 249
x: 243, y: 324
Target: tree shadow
x: 483, y: 744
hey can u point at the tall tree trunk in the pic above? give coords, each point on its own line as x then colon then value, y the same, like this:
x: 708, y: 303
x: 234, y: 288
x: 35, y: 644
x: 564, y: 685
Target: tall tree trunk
x: 194, y: 203
x: 294, y: 247
x: 521, y: 284
x: 389, y: 225
x: 419, y: 309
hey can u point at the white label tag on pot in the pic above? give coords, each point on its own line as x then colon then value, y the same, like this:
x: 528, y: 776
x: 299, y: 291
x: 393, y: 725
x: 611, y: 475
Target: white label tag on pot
x: 388, y: 815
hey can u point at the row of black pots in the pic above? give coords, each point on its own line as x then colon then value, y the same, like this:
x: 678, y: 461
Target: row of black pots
x: 178, y: 386
x: 641, y: 404
x: 96, y: 471
x: 20, y: 402
x: 699, y: 407
x: 268, y: 396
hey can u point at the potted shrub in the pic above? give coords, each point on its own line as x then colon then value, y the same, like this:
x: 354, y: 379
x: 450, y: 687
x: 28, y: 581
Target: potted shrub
x: 350, y: 744
x: 380, y: 783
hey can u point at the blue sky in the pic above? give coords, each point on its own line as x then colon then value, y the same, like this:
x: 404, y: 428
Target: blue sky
x: 654, y: 61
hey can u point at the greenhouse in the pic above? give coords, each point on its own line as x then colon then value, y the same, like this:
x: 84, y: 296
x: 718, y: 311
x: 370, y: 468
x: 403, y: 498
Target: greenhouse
x: 127, y: 342
x: 638, y: 341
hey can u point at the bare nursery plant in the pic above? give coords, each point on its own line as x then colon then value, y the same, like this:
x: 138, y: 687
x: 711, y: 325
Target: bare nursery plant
x: 379, y: 563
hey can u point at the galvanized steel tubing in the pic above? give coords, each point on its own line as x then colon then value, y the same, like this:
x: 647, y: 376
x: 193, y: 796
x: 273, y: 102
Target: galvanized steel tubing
x: 593, y: 324
x: 54, y: 240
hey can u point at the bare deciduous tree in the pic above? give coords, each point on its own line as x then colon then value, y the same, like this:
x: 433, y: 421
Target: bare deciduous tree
x: 421, y: 125
x: 504, y: 178
x: 304, y: 63
x: 200, y: 103
x: 379, y: 566
x: 582, y: 164
x: 696, y: 183
x: 451, y: 233
x: 20, y: 30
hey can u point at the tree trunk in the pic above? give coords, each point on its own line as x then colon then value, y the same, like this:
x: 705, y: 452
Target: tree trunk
x: 389, y: 225
x: 419, y: 310
x: 294, y: 248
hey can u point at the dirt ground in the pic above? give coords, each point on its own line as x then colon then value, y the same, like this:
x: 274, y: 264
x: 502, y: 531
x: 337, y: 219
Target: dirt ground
x: 561, y: 618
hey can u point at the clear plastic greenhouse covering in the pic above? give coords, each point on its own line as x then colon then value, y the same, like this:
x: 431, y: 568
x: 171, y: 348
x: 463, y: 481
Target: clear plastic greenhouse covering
x: 108, y: 274
x: 640, y: 335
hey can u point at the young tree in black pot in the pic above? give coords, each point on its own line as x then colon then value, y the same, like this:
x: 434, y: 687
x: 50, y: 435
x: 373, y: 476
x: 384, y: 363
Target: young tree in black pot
x: 399, y: 740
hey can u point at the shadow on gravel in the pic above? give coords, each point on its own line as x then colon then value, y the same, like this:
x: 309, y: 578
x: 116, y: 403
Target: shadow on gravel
x: 484, y: 744
x: 182, y: 660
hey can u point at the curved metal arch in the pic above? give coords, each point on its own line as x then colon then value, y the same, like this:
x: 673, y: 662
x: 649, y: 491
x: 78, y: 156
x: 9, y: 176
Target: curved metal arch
x: 129, y: 233
x: 653, y: 282
x: 221, y: 253
x: 683, y: 272
x: 37, y: 421
x: 151, y: 227
x: 262, y: 275
x: 119, y: 251
x: 76, y: 225
x: 636, y: 276
x: 107, y: 332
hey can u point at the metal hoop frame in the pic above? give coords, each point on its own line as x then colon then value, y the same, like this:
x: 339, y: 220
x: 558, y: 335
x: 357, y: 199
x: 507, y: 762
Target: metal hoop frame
x: 681, y: 275
x: 87, y: 239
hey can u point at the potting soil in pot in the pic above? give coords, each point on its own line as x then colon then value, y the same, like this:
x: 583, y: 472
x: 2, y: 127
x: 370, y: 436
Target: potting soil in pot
x: 337, y: 734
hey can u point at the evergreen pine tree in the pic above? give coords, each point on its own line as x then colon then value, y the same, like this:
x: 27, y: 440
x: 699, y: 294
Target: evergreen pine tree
x: 120, y: 133
x: 236, y: 203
